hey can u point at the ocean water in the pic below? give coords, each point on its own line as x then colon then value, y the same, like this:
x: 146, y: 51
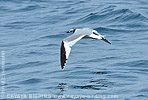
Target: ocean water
x: 31, y: 32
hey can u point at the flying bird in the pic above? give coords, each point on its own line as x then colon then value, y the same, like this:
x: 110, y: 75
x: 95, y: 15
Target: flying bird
x: 78, y: 34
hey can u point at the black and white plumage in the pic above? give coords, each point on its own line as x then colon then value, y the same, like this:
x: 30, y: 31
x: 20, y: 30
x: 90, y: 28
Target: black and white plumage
x: 68, y: 42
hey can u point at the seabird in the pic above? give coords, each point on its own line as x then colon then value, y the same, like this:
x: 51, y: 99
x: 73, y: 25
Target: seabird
x: 78, y: 34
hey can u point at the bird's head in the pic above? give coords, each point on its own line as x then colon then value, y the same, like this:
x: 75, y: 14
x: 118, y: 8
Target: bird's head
x: 71, y: 31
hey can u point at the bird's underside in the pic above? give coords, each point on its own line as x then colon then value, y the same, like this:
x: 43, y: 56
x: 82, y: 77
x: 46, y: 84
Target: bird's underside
x: 78, y: 34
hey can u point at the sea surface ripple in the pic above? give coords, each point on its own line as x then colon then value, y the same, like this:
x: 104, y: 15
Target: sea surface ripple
x: 31, y: 32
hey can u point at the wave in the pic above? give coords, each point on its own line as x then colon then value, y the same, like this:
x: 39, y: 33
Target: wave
x: 22, y: 1
x: 137, y: 63
x: 31, y: 81
x: 94, y: 87
x: 118, y: 29
x: 53, y: 36
x: 23, y: 8
x: 120, y: 15
x: 113, y: 19
x: 17, y: 24
x: 101, y: 72
x: 29, y: 8
x: 99, y: 84
x: 25, y: 65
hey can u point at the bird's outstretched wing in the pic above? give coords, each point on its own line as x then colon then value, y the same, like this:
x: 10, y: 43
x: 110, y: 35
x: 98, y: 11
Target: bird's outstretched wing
x: 66, y: 45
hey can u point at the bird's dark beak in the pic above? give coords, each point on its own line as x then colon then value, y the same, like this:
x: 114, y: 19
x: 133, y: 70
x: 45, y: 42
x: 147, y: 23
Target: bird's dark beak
x: 68, y: 32
x: 106, y: 40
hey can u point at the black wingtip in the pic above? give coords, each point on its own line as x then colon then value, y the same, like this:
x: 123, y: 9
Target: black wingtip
x: 62, y: 67
x: 106, y: 40
x: 63, y: 55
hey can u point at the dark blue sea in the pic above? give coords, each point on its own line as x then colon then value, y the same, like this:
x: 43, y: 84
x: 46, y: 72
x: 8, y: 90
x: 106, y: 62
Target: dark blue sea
x: 31, y: 32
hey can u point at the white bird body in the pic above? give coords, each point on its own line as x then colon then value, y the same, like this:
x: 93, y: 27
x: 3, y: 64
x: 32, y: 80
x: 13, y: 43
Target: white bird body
x: 68, y: 42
